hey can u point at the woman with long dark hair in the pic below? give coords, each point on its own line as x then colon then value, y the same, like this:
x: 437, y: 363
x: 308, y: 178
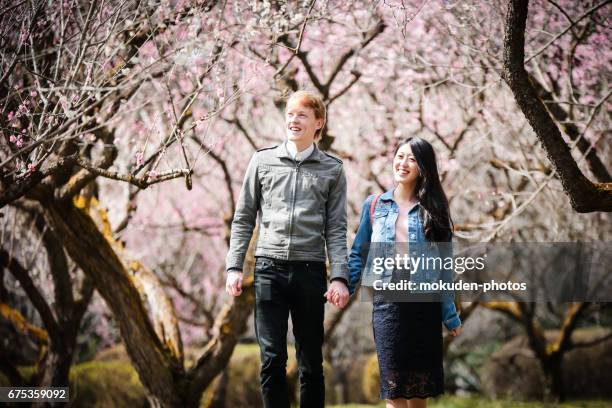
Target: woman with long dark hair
x: 408, y: 333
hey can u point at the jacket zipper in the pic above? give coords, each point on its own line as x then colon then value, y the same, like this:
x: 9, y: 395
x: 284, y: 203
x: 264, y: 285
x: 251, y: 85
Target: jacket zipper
x: 295, y: 174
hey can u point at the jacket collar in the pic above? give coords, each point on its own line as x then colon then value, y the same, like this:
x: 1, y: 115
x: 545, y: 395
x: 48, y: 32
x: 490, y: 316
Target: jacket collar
x: 281, y: 152
x: 388, y: 196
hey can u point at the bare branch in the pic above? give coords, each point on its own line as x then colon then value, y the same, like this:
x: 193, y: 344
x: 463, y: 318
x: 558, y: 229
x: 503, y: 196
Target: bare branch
x: 141, y: 182
x: 584, y: 195
x: 566, y: 29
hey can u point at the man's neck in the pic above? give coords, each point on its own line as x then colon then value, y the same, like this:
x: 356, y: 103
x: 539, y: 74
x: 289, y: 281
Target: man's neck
x: 299, y: 147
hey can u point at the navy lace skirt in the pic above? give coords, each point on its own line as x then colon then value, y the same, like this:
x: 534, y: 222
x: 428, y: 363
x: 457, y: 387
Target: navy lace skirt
x: 408, y: 337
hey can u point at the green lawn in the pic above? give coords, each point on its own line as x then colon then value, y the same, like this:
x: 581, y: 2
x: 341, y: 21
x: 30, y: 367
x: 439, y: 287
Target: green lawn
x: 479, y: 402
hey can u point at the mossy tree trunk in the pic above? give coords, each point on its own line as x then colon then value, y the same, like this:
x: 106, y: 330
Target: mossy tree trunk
x: 154, y: 351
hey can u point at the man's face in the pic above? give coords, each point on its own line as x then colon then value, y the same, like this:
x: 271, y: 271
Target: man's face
x: 301, y: 123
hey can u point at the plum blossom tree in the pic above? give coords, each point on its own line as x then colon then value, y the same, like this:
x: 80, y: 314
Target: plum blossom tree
x: 74, y: 78
x: 130, y: 124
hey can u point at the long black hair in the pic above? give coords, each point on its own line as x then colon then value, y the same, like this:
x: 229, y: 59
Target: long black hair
x: 435, y: 212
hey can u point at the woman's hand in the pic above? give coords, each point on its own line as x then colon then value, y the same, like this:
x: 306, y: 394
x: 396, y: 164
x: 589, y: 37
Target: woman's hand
x: 337, y: 294
x: 456, y: 331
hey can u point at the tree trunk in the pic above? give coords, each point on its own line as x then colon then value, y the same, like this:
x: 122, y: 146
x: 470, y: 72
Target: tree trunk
x: 230, y: 324
x: 57, y: 366
x: 553, y: 374
x: 158, y: 362
x: 158, y: 369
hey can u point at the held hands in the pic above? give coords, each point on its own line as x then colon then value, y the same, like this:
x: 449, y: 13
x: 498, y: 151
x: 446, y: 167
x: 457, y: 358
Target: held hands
x: 456, y: 331
x: 337, y: 294
x: 233, y: 283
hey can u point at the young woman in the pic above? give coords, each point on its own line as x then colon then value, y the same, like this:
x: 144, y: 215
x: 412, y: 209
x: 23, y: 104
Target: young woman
x: 408, y: 334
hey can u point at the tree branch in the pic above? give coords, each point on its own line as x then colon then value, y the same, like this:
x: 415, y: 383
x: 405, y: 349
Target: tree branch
x: 569, y: 27
x: 141, y: 182
x: 584, y: 195
x: 37, y: 299
x: 595, y: 164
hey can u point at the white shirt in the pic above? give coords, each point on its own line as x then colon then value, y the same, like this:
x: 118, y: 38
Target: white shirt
x: 299, y: 156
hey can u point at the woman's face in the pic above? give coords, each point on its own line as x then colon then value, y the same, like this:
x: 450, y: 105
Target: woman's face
x: 405, y: 169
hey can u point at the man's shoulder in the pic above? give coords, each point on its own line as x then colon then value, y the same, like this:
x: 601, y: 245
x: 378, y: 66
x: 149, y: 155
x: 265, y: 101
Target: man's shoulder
x: 264, y: 153
x: 263, y: 149
x: 333, y: 159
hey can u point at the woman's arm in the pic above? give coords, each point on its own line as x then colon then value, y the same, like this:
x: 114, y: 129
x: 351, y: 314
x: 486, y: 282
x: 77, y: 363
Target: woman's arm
x: 450, y: 317
x: 361, y: 242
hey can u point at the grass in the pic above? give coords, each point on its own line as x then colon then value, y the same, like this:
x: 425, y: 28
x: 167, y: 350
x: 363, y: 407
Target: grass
x: 115, y: 383
x: 480, y: 402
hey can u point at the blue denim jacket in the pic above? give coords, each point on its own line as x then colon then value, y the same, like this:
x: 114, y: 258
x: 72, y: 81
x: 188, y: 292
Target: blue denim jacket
x: 383, y: 230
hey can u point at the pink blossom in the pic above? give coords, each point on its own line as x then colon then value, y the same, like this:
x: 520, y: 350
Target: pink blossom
x: 23, y: 36
x: 10, y: 116
x: 139, y: 158
x: 199, y: 59
x: 152, y: 174
x: 17, y: 139
x: 31, y: 168
x: 221, y: 95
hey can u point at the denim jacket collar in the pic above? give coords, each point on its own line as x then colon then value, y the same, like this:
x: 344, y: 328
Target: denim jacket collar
x: 388, y: 196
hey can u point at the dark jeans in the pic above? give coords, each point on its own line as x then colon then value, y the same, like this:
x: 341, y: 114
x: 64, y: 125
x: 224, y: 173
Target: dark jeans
x: 283, y: 287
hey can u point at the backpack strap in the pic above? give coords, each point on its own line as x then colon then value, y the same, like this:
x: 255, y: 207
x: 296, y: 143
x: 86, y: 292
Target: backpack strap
x: 373, y: 207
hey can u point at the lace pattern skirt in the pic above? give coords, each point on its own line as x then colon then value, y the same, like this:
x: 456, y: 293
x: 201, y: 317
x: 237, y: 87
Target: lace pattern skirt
x: 408, y: 337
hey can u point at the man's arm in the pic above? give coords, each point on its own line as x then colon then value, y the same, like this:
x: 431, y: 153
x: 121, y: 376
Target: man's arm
x: 245, y: 218
x: 361, y: 243
x: 335, y: 229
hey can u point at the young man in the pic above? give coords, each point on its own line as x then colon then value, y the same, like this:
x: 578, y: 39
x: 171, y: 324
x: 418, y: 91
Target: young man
x: 298, y: 193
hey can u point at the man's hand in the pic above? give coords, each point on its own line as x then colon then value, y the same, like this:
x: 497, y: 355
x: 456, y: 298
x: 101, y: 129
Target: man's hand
x: 233, y: 284
x: 337, y: 294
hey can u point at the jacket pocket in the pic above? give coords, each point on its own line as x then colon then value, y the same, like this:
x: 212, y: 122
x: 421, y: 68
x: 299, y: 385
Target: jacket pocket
x: 274, y: 225
x: 379, y: 221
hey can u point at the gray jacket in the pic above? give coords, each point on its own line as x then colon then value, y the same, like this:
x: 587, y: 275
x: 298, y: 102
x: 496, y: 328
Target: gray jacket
x: 300, y: 206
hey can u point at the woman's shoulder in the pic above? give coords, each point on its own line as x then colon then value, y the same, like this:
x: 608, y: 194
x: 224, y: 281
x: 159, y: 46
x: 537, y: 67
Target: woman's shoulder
x: 368, y: 201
